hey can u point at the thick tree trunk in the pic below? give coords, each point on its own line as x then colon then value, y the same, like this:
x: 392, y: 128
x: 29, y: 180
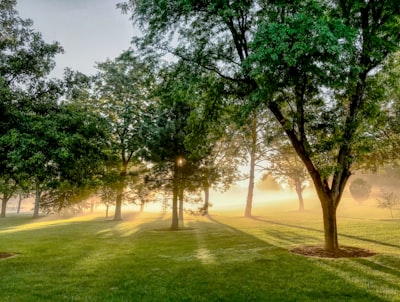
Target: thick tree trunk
x: 181, y: 221
x: 36, y: 208
x: 118, y: 205
x: 330, y: 226
x: 3, y: 207
x: 175, y: 220
x: 299, y: 192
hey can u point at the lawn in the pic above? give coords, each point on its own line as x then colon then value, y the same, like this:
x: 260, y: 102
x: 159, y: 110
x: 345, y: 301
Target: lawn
x: 218, y: 258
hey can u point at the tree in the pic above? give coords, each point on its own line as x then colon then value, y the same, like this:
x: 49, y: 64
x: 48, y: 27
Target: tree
x: 25, y: 59
x: 389, y: 200
x: 338, y: 55
x: 258, y: 134
x: 286, y: 167
x: 121, y: 89
x: 360, y: 189
x: 7, y: 189
x: 170, y: 145
x: 310, y: 62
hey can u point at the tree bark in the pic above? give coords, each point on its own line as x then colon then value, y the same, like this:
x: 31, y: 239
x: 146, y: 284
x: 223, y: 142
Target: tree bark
x: 330, y: 226
x: 19, y: 203
x: 36, y: 208
x: 181, y: 221
x: 253, y: 150
x: 299, y: 192
x: 206, y: 200
x: 175, y: 220
x: 118, y: 206
x: 3, y: 207
x: 120, y: 191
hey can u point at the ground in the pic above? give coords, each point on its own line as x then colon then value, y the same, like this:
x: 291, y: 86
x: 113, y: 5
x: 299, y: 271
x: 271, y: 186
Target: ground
x: 310, y: 251
x: 345, y: 252
x: 5, y: 255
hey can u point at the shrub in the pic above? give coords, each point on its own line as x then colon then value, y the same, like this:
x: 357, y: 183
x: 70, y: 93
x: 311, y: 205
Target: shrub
x: 360, y: 189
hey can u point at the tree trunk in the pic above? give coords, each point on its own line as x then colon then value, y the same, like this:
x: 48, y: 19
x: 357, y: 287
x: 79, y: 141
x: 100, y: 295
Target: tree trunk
x: 206, y: 200
x: 3, y: 207
x: 175, y: 220
x: 19, y: 203
x: 36, y: 208
x: 181, y: 221
x: 330, y: 226
x: 299, y: 192
x: 142, y: 207
x: 120, y: 191
x: 253, y: 150
x: 107, y: 208
x: 118, y: 205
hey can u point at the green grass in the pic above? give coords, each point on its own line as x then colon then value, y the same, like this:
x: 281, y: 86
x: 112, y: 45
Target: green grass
x: 221, y: 258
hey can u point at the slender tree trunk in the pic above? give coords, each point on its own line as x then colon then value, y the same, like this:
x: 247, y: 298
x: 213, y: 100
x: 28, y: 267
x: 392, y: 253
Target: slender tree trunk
x: 120, y: 191
x: 36, y: 208
x: 253, y: 151
x: 175, y: 220
x: 19, y: 203
x: 107, y: 208
x: 181, y: 221
x: 206, y: 200
x: 299, y: 192
x: 142, y: 207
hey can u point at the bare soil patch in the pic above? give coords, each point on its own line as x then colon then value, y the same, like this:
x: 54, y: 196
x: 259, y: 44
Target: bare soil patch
x: 4, y: 255
x: 344, y: 252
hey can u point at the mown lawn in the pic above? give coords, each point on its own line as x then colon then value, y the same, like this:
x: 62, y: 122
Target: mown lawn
x: 219, y: 258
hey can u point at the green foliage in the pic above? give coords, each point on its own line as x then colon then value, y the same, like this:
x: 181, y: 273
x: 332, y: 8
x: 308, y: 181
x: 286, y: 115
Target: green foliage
x: 360, y: 189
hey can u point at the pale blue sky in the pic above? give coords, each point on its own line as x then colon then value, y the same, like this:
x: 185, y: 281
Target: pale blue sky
x: 89, y: 30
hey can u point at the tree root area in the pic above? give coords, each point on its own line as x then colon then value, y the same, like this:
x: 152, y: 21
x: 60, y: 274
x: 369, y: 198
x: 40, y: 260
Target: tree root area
x: 344, y: 252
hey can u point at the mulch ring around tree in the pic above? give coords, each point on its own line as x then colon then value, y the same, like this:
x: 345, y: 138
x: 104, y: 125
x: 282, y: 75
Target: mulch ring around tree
x: 4, y: 255
x: 344, y: 252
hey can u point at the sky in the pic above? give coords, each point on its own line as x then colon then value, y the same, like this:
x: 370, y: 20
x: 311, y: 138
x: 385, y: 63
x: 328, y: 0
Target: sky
x: 90, y: 31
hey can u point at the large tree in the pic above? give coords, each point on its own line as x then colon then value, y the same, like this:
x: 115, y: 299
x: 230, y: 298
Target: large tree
x: 309, y: 61
x: 121, y: 91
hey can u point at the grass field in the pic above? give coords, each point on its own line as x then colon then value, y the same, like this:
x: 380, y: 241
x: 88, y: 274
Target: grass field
x: 224, y: 257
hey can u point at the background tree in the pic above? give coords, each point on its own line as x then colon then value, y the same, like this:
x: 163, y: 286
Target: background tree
x: 286, y: 167
x: 121, y: 90
x: 360, y: 189
x: 175, y: 158
x: 388, y: 200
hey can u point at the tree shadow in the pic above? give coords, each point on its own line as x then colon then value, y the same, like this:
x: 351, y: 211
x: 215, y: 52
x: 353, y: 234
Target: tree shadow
x: 321, y: 231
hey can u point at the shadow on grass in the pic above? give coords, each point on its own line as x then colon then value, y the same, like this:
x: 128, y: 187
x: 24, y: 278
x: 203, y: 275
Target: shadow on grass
x: 97, y: 260
x: 320, y: 231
